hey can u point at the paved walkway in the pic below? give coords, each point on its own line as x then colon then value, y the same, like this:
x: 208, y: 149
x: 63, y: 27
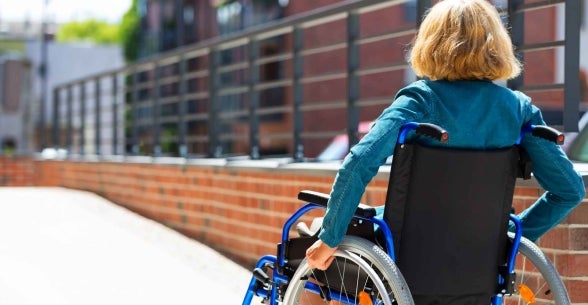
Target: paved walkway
x: 60, y: 247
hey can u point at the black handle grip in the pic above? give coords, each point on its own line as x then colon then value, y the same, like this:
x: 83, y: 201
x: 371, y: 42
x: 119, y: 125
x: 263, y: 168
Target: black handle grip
x: 261, y: 276
x: 548, y: 133
x: 433, y: 131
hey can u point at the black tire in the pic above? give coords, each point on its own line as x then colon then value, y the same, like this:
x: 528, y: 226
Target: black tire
x: 369, y: 264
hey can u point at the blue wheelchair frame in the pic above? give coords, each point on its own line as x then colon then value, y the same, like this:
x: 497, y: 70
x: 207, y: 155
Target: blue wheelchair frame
x: 270, y: 288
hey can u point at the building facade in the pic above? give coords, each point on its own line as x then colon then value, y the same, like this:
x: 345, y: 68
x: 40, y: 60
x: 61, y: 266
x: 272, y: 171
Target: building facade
x: 15, y: 105
x: 66, y: 62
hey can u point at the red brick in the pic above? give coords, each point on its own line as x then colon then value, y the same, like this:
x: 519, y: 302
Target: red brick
x: 580, y: 214
x: 578, y: 290
x: 571, y: 265
x: 557, y: 238
x: 578, y: 238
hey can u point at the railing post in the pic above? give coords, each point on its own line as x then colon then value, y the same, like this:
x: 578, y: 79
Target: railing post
x: 156, y: 109
x: 214, y: 147
x: 82, y: 118
x: 115, y: 102
x: 517, y: 34
x: 180, y: 26
x: 421, y: 9
x: 134, y: 102
x: 253, y: 53
x: 572, y: 66
x: 97, y: 116
x: 297, y: 59
x: 56, y: 117
x: 69, y: 118
x: 183, y: 108
x: 352, y: 78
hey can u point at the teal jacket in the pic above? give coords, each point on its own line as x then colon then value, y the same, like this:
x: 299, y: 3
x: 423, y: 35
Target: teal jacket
x: 477, y: 115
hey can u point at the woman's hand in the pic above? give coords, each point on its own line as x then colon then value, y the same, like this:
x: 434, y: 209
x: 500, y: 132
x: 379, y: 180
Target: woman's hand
x: 319, y: 255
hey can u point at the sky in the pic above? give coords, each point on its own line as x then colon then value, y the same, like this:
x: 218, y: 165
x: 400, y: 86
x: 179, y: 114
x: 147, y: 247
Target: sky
x: 63, y: 10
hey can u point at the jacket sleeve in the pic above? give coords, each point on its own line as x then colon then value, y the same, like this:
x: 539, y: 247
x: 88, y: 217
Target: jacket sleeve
x: 362, y: 164
x: 555, y: 173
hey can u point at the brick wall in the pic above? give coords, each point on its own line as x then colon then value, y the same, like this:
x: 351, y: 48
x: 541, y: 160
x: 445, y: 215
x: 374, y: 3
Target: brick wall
x: 239, y: 210
x: 16, y: 171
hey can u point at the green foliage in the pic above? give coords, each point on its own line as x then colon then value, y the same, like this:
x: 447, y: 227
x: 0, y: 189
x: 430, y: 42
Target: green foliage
x: 9, y: 45
x: 129, y: 30
x: 91, y: 30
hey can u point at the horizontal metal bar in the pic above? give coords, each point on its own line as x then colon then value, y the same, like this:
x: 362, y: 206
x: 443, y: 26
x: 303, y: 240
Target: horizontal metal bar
x: 188, y: 54
x: 323, y: 49
x: 527, y: 7
x: 196, y: 74
x: 382, y: 69
x: 233, y: 114
x: 141, y: 66
x: 324, y: 77
x: 321, y: 134
x: 169, y: 60
x: 340, y: 104
x: 273, y: 33
x: 140, y: 86
x: 274, y: 110
x: 168, y: 80
x: 233, y: 43
x: 542, y: 87
x: 232, y: 90
x: 323, y: 20
x: 542, y: 46
x: 272, y: 59
x: 380, y: 6
x: 233, y: 67
x: 169, y: 100
x: 273, y: 84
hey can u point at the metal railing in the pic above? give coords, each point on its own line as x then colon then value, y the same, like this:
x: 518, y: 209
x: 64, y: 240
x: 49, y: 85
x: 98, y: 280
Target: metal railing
x: 287, y: 88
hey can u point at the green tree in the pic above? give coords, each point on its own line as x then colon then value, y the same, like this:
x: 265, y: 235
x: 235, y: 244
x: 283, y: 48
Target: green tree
x: 91, y: 30
x: 129, y: 30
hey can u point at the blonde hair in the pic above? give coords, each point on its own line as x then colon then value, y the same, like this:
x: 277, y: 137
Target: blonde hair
x: 463, y: 40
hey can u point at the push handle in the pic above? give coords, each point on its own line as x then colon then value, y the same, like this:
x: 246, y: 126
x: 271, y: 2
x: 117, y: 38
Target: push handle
x: 548, y: 133
x: 425, y: 129
x: 433, y: 131
x: 544, y: 132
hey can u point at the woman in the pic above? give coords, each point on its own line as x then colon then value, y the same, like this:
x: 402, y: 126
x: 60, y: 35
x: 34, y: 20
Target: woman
x: 461, y: 47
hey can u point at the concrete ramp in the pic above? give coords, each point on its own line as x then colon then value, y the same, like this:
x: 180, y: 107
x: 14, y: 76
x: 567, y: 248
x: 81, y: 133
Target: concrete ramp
x: 60, y: 246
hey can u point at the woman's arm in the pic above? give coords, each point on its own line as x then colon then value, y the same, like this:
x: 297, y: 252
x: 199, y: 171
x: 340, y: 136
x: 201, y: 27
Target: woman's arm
x: 555, y: 173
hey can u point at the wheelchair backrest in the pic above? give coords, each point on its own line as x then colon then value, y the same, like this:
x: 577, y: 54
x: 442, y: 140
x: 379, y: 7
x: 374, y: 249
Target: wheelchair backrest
x: 448, y: 212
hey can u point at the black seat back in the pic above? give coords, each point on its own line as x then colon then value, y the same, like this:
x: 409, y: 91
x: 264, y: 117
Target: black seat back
x: 448, y: 211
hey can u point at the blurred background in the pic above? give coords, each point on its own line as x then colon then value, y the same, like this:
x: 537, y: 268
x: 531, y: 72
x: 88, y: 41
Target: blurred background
x: 249, y: 79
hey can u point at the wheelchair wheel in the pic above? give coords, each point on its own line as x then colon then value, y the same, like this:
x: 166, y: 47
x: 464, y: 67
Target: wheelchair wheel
x: 362, y: 273
x: 537, y: 280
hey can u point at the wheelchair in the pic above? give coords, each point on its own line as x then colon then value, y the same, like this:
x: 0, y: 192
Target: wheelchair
x: 444, y: 237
